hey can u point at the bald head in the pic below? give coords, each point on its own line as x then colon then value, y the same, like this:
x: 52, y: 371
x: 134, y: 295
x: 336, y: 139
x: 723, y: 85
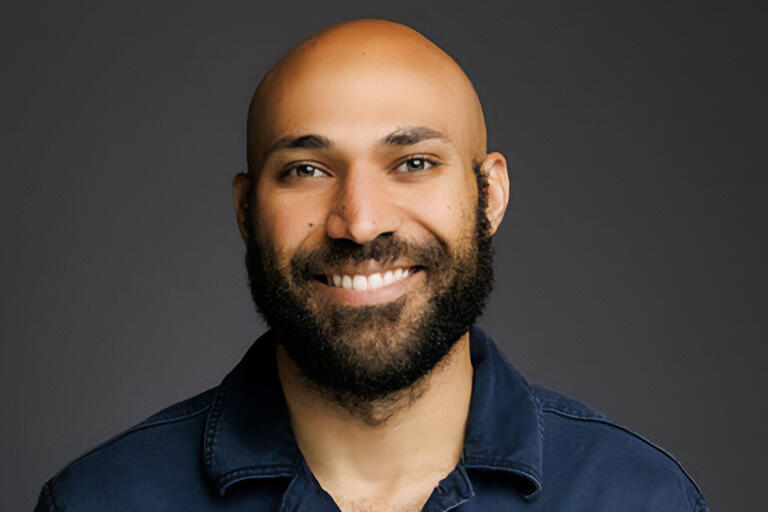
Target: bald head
x: 371, y: 74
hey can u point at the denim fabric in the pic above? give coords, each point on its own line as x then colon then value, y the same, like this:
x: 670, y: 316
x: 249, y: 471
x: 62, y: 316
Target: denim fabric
x: 232, y: 448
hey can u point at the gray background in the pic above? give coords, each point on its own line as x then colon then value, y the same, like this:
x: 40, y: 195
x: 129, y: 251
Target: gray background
x: 631, y: 264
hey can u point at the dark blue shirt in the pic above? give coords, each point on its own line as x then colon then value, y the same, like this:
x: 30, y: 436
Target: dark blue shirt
x: 232, y: 448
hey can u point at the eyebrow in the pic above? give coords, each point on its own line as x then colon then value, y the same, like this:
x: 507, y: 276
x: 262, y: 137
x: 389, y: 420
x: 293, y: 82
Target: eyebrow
x: 400, y: 137
x: 412, y: 135
x: 310, y: 141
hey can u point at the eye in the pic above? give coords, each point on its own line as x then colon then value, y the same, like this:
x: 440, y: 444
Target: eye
x: 416, y: 164
x: 305, y: 171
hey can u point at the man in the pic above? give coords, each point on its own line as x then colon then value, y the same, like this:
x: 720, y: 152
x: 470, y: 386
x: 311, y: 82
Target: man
x: 367, y: 212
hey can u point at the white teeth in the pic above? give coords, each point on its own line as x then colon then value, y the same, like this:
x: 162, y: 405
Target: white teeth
x: 372, y: 282
x: 375, y: 281
x: 359, y: 283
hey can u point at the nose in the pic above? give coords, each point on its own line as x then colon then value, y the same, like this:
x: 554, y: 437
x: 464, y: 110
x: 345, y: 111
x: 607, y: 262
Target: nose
x: 362, y: 207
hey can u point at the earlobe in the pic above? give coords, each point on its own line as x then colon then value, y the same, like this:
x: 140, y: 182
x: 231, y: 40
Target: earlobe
x: 241, y: 199
x: 495, y: 168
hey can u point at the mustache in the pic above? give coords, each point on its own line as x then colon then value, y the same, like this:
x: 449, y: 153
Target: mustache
x: 385, y: 248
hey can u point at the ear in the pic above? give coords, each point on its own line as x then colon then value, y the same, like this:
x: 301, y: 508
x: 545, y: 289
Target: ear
x: 241, y: 199
x: 495, y: 168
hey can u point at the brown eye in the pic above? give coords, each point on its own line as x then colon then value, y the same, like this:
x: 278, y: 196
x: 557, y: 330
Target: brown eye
x: 413, y: 165
x: 305, y: 171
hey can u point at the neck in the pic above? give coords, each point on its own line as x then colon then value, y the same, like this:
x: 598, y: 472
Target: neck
x: 417, y: 434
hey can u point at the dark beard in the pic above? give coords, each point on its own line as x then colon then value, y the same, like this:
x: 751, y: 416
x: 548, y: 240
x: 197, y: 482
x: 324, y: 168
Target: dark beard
x: 323, y: 338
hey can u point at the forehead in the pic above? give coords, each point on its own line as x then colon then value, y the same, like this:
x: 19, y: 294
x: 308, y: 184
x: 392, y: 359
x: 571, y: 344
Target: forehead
x: 357, y: 101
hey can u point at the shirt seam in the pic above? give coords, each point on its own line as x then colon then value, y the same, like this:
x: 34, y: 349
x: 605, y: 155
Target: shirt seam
x: 137, y: 428
x: 192, y: 409
x: 499, y: 464
x: 699, y: 504
x: 50, y: 497
x: 237, y: 475
x: 212, y: 429
x: 517, y: 468
x: 581, y: 411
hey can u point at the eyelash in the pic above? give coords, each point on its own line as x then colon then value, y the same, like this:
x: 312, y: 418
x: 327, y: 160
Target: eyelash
x: 288, y: 173
x: 431, y: 161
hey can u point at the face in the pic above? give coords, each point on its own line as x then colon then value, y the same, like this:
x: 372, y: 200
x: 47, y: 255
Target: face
x: 368, y: 244
x: 357, y: 354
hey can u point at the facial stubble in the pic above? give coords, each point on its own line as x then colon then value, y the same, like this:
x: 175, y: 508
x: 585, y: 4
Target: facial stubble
x: 356, y: 356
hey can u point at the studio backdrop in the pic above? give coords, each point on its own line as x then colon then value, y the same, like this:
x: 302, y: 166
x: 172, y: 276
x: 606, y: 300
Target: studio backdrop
x: 630, y: 265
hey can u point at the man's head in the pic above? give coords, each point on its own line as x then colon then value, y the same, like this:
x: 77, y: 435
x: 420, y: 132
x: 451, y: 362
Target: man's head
x: 368, y: 206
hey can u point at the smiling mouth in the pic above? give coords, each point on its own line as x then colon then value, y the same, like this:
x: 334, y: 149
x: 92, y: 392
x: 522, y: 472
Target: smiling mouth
x: 360, y: 282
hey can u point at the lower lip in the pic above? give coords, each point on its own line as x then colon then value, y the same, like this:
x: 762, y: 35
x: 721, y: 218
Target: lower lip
x: 382, y: 295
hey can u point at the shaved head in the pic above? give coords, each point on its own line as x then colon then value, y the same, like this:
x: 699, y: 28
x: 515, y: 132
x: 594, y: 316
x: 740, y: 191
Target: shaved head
x: 376, y: 68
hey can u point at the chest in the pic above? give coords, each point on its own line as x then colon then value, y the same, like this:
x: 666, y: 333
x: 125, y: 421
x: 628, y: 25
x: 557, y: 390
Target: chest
x: 402, y: 504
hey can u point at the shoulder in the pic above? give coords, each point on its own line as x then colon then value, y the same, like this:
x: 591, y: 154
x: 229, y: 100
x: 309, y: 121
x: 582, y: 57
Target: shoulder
x: 166, y: 447
x: 595, y: 451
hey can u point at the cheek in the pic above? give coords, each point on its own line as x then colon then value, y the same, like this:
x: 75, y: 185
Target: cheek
x: 449, y: 212
x: 285, y: 226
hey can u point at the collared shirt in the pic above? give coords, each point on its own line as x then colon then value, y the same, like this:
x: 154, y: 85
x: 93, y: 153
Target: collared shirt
x: 232, y: 449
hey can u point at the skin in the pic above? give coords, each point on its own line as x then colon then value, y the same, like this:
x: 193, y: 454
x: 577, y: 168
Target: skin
x: 374, y: 95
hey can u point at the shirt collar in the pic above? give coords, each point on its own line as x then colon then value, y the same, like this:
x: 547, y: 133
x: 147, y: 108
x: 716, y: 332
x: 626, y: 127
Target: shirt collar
x: 248, y: 433
x: 504, y: 428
